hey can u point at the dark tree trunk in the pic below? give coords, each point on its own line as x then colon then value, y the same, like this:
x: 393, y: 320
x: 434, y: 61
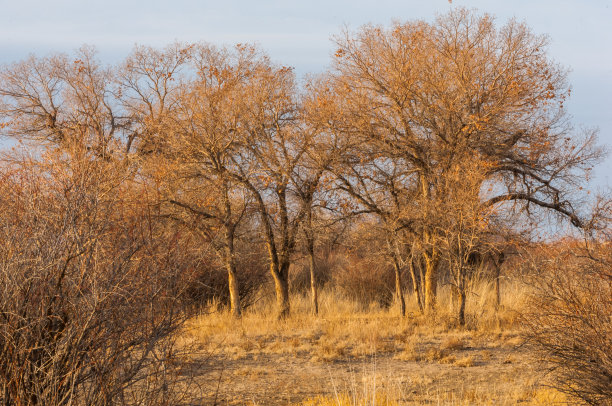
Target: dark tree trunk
x: 416, y: 282
x: 399, y: 294
x: 462, y: 307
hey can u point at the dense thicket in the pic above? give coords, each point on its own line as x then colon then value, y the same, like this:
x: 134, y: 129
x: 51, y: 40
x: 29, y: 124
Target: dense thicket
x: 568, y: 322
x: 91, y: 284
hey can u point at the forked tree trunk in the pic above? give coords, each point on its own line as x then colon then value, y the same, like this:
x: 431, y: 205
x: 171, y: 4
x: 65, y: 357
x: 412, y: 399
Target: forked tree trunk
x: 279, y: 261
x: 429, y: 257
x: 416, y: 286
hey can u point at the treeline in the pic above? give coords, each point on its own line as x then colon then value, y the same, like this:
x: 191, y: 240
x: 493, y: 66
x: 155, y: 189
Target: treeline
x: 426, y: 128
x: 429, y: 141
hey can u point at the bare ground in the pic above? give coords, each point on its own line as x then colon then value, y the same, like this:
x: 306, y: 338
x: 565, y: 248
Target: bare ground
x: 376, y: 360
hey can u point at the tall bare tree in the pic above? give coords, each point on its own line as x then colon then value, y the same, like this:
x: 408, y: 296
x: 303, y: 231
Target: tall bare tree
x: 273, y: 147
x: 59, y: 101
x: 204, y: 145
x: 417, y: 94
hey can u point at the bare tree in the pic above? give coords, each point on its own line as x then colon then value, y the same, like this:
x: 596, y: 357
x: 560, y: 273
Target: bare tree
x: 273, y: 145
x: 59, y: 101
x: 313, y: 185
x: 424, y: 96
x: 197, y: 147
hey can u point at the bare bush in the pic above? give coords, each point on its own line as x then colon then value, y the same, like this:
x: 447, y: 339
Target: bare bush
x: 366, y: 281
x: 300, y: 279
x: 90, y: 294
x: 210, y: 282
x: 569, y: 322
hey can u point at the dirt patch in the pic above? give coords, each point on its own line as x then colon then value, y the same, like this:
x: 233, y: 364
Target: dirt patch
x: 444, y: 370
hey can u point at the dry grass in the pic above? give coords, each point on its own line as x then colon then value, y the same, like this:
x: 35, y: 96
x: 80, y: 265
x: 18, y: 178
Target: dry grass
x: 378, y: 390
x: 351, y: 356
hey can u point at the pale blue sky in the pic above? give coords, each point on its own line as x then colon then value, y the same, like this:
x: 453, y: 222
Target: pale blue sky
x: 297, y: 33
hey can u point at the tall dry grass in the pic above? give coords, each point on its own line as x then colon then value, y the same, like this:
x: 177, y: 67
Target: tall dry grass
x: 344, y: 327
x: 347, y: 334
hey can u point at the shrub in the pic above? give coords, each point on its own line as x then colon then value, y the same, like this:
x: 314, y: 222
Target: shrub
x: 366, y: 280
x: 89, y: 289
x: 210, y: 283
x: 570, y: 320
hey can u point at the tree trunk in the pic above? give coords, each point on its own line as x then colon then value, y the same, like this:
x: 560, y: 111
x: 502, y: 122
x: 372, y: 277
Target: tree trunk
x: 314, y: 297
x: 399, y: 294
x: 462, y: 307
x: 422, y: 280
x: 235, y: 308
x: 281, y: 286
x: 415, y: 286
x: 431, y: 284
x: 460, y: 289
x: 230, y: 264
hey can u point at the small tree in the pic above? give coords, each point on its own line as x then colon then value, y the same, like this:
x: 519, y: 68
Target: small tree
x: 462, y: 226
